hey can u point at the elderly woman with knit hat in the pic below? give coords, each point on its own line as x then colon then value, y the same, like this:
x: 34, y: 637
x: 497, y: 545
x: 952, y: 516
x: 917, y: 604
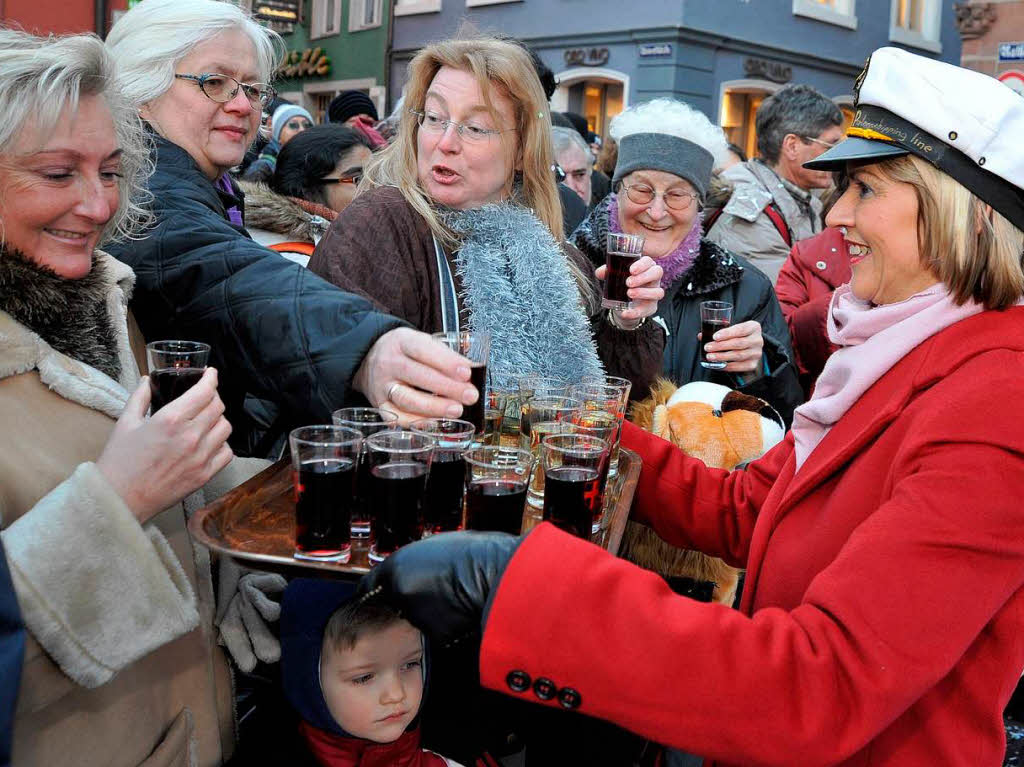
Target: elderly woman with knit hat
x: 666, y: 152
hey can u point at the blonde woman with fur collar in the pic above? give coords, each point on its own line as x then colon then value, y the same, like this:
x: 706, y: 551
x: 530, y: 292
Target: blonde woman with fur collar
x: 120, y: 667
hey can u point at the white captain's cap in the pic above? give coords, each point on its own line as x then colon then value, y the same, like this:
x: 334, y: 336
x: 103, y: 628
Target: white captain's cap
x: 966, y: 124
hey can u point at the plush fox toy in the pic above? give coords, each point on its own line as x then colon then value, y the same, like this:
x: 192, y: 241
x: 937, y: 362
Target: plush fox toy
x: 721, y: 427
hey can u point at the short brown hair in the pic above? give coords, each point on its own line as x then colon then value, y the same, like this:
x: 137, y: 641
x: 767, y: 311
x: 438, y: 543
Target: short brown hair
x: 355, y: 619
x: 973, y: 250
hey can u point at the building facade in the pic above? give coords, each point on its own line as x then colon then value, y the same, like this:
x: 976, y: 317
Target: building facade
x: 333, y: 46
x: 721, y: 56
x: 61, y: 17
x: 993, y: 39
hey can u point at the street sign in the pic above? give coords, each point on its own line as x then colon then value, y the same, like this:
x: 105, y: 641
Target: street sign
x: 656, y: 49
x: 1011, y: 51
x: 281, y: 11
x: 1014, y: 79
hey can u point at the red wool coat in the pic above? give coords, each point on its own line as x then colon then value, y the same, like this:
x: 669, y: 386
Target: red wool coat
x: 815, y: 268
x: 883, y: 616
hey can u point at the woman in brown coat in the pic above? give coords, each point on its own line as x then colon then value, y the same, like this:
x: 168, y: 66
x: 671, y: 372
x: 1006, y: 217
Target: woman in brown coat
x: 121, y: 667
x: 458, y: 226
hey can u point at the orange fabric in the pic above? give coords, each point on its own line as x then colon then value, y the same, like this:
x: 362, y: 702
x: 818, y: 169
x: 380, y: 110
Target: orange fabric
x: 295, y: 246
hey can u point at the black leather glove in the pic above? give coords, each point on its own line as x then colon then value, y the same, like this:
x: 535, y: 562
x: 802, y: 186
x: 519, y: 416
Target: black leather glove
x: 442, y: 584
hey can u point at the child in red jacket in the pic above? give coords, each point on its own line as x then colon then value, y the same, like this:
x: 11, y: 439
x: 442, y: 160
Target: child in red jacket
x: 355, y: 672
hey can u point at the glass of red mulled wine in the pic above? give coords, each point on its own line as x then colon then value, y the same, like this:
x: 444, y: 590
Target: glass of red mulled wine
x: 399, y: 463
x: 446, y: 481
x: 622, y: 251
x: 475, y: 346
x: 573, y: 464
x: 496, y: 482
x: 324, y: 460
x: 367, y: 421
x: 174, y: 368
x: 714, y: 316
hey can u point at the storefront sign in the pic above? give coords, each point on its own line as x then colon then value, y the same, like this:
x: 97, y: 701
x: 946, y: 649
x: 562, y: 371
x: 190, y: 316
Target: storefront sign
x: 308, y: 63
x: 1011, y: 51
x: 656, y: 49
x: 281, y: 11
x: 768, y: 70
x: 586, y: 57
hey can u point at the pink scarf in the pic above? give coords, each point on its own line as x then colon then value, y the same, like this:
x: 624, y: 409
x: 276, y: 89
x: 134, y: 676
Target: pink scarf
x: 871, y: 339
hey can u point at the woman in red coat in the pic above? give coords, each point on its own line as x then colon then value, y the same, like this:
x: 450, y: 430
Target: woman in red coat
x: 882, y: 617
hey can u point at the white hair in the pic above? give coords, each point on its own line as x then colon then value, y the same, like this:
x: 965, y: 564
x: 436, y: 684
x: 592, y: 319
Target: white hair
x: 150, y: 39
x: 563, y: 138
x: 41, y: 77
x: 675, y: 119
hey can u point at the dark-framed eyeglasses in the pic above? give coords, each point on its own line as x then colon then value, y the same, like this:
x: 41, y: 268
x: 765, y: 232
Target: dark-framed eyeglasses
x: 354, y: 179
x: 222, y: 88
x: 432, y: 122
x: 675, y: 199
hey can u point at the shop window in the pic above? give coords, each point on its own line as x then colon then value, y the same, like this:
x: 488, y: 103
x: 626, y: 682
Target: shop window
x: 916, y: 23
x: 838, y: 12
x: 326, y: 18
x: 364, y: 14
x: 410, y: 7
x: 737, y: 117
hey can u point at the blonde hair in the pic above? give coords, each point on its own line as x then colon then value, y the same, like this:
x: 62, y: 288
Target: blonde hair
x: 973, y: 250
x: 495, y: 63
x: 40, y: 77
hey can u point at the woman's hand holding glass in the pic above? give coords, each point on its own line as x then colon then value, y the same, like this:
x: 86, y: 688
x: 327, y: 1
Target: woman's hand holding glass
x: 741, y: 346
x: 152, y: 463
x: 645, y: 289
x: 414, y: 376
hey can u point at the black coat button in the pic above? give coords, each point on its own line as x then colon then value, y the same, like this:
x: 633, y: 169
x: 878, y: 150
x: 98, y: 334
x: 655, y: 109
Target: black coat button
x: 519, y: 681
x: 545, y: 689
x: 569, y: 698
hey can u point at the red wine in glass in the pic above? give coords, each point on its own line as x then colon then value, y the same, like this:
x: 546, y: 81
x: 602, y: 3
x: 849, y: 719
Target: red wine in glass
x: 708, y: 328
x: 495, y: 504
x: 396, y: 490
x: 570, y: 494
x: 615, y: 287
x: 446, y: 488
x: 475, y: 413
x: 167, y: 384
x: 323, y: 504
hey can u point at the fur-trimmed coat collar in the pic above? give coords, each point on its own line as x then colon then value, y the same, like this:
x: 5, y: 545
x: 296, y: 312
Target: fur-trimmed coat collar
x: 714, y: 268
x: 65, y: 357
x: 266, y: 209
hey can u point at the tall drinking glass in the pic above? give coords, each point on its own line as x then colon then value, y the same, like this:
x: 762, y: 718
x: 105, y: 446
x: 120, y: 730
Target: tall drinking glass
x: 446, y: 482
x: 531, y: 386
x: 572, y: 465
x: 174, y: 368
x: 367, y: 421
x: 546, y: 416
x: 494, y: 415
x: 607, y: 395
x: 476, y: 347
x: 324, y: 469
x: 622, y: 252
x: 496, y: 480
x: 714, y: 315
x: 597, y: 423
x: 399, y: 464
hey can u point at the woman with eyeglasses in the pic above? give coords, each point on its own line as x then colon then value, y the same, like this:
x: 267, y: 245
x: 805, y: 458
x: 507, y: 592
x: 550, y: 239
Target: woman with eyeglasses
x: 662, y: 176
x: 315, y: 179
x: 458, y: 226
x: 290, y: 347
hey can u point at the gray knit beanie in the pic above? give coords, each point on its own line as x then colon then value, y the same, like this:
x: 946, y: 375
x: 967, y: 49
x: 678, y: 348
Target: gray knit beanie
x: 661, y: 151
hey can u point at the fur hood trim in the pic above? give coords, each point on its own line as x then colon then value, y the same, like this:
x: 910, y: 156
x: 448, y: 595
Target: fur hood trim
x: 266, y: 209
x: 22, y: 350
x: 519, y: 288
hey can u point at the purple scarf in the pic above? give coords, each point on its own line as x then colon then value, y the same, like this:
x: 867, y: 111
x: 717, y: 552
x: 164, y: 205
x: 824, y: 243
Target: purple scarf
x: 679, y: 261
x: 234, y: 214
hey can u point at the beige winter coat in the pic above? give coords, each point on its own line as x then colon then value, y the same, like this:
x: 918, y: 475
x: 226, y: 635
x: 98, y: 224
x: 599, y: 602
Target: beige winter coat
x: 121, y: 667
x: 745, y: 229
